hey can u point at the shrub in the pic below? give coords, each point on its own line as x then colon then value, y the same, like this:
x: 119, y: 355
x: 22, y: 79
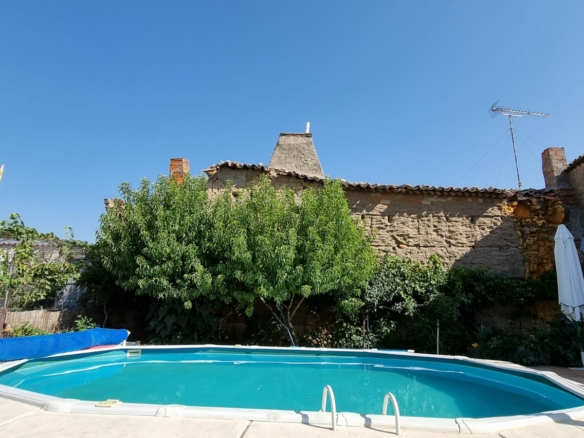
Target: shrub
x: 84, y: 323
x: 25, y: 329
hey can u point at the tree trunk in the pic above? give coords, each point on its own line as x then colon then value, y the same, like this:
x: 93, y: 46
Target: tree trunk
x: 292, y: 333
x: 282, y: 321
x: 104, y: 313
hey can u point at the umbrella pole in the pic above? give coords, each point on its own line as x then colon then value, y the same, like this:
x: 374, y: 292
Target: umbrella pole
x: 578, y: 331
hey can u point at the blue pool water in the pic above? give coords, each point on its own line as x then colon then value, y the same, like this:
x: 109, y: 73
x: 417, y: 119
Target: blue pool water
x: 292, y: 380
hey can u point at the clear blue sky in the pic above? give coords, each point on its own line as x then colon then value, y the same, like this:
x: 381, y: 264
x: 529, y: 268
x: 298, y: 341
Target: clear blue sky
x: 93, y: 93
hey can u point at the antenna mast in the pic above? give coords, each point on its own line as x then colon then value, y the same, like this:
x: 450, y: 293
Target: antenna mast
x: 515, y: 113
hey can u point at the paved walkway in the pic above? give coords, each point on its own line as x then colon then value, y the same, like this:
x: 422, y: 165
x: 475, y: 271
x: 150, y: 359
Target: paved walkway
x: 21, y: 420
x: 576, y: 374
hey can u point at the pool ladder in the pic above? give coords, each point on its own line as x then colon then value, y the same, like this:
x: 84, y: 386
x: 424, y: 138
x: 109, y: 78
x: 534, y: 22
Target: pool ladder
x: 390, y: 396
x: 328, y: 390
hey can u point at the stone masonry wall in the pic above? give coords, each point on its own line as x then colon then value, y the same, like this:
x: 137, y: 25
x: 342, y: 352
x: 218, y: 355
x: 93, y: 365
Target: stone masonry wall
x: 241, y: 178
x: 462, y: 231
x: 577, y: 180
x: 568, y: 180
x: 536, y: 222
x: 512, y: 236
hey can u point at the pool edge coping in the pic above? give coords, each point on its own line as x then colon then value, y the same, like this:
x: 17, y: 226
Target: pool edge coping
x: 456, y: 425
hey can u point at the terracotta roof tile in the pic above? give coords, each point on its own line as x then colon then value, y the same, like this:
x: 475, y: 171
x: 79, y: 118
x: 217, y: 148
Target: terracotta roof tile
x: 431, y: 190
x: 575, y: 163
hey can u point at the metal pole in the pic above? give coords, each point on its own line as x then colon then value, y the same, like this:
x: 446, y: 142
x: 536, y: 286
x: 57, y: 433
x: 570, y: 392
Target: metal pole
x: 438, y: 336
x: 514, y: 150
x: 368, y: 341
x: 364, y: 330
x: 4, y: 310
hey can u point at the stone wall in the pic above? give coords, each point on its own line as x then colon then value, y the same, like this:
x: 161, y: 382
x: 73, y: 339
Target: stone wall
x: 462, y: 231
x: 511, y: 235
x: 568, y: 180
x: 577, y: 181
x: 536, y: 221
x: 241, y: 178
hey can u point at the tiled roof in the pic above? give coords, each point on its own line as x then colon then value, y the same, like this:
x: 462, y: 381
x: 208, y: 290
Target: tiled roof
x: 519, y: 195
x: 427, y: 190
x: 575, y: 163
x: 236, y: 165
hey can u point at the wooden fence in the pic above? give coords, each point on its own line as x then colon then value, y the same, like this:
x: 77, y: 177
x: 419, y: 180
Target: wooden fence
x: 51, y: 321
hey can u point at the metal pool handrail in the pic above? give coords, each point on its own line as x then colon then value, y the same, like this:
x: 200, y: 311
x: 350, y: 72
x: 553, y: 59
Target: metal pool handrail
x: 328, y: 390
x: 388, y: 396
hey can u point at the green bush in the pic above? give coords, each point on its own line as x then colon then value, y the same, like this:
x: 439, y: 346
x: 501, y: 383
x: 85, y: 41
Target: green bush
x: 511, y: 344
x: 25, y: 329
x: 405, y: 300
x: 83, y: 323
x: 556, y: 343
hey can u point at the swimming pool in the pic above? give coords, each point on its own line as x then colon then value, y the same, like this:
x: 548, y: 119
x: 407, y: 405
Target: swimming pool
x: 438, y: 390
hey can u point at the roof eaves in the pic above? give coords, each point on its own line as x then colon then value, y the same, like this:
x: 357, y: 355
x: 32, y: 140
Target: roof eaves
x: 405, y: 188
x: 575, y: 163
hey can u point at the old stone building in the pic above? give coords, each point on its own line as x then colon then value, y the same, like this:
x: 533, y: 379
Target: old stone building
x: 568, y: 182
x: 509, y: 231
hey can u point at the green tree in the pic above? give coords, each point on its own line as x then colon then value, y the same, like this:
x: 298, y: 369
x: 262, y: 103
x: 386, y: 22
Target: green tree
x: 155, y: 242
x: 99, y: 283
x: 34, y: 266
x: 155, y: 239
x: 170, y: 241
x: 279, y: 248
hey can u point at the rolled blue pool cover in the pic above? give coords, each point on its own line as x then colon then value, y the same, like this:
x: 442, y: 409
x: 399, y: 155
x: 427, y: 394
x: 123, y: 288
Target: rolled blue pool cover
x: 31, y: 347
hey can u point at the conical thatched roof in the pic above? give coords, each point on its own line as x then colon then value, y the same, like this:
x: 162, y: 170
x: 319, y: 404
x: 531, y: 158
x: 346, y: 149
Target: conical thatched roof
x: 296, y: 153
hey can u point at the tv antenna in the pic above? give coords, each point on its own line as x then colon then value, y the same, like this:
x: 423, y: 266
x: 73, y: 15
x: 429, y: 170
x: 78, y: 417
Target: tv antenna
x: 495, y: 110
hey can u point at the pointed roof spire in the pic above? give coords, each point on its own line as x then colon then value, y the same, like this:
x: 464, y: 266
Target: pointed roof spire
x: 296, y: 153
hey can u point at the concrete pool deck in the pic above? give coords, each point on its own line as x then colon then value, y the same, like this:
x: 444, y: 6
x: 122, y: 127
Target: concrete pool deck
x: 22, y: 420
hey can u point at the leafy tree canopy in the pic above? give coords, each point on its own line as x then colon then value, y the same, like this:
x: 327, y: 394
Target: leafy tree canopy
x: 155, y: 239
x: 34, y: 266
x: 170, y: 241
x: 279, y: 248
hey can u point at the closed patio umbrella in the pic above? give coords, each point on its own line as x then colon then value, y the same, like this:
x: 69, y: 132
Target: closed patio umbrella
x: 570, y: 280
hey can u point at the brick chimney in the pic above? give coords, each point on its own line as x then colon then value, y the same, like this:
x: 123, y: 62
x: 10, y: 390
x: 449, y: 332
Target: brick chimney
x: 553, y: 165
x: 178, y: 168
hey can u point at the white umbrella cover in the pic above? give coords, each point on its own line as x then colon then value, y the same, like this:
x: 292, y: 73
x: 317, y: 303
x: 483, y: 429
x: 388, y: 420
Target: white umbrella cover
x: 570, y: 280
